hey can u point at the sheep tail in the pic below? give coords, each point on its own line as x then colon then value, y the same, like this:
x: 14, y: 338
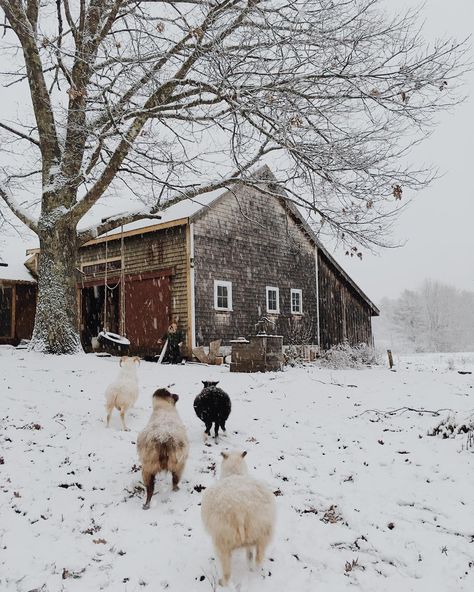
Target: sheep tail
x: 164, y: 453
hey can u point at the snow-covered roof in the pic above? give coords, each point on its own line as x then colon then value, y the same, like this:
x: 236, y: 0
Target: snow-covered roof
x: 179, y: 211
x: 12, y: 260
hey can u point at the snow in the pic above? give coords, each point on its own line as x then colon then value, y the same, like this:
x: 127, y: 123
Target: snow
x: 365, y: 499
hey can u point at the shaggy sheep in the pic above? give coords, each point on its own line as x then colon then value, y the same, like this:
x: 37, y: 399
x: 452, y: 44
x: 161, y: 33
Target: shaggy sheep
x: 212, y: 406
x: 238, y: 511
x: 163, y: 444
x: 123, y: 392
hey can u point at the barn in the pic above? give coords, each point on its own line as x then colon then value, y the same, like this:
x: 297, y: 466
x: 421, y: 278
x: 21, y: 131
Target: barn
x: 217, y: 265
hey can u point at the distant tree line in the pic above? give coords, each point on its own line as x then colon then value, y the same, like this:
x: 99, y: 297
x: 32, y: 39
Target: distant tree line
x: 435, y: 318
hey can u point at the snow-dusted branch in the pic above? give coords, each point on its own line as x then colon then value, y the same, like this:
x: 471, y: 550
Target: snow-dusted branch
x: 18, y: 210
x: 19, y: 134
x: 153, y: 212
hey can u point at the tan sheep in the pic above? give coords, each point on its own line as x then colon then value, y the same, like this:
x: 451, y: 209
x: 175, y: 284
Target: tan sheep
x: 163, y: 443
x: 238, y: 511
x: 122, y: 393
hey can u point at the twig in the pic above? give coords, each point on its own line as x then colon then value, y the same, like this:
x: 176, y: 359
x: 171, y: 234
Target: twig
x: 403, y: 409
x: 335, y: 383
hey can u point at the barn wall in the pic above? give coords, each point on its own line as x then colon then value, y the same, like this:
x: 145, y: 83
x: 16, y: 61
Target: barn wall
x: 147, y: 253
x: 7, y: 313
x: 344, y: 315
x: 21, y: 311
x: 25, y: 311
x: 253, y: 243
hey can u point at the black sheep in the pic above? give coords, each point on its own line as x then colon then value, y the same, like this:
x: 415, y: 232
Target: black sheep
x: 212, y: 406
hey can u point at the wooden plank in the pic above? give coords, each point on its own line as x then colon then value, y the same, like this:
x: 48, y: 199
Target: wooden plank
x: 163, y: 352
x: 214, y: 350
x: 201, y: 355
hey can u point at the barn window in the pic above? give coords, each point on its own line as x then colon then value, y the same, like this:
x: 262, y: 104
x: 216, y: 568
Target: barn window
x: 296, y: 301
x: 6, y: 304
x: 273, y: 299
x: 222, y: 295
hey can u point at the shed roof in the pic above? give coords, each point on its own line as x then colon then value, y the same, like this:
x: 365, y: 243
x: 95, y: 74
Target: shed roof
x: 12, y: 261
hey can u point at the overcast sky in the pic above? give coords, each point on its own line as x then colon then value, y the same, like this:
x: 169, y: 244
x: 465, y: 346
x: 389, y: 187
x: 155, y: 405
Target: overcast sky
x: 438, y: 226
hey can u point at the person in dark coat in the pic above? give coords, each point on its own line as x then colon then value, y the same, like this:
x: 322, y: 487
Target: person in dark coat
x: 175, y: 340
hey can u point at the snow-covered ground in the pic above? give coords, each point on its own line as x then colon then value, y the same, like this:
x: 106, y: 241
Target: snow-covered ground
x: 366, y: 500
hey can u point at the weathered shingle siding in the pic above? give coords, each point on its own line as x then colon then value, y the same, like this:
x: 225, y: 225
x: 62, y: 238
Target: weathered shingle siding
x: 147, y: 253
x: 253, y: 243
x: 344, y: 315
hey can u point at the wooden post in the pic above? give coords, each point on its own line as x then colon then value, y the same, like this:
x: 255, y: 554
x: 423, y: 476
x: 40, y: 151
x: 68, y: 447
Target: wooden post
x: 390, y: 358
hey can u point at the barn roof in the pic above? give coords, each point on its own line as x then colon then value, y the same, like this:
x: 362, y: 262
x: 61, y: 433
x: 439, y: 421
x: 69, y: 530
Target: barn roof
x: 188, y: 210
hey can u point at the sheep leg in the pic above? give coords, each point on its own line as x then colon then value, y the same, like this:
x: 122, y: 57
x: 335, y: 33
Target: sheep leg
x: 208, y: 428
x: 260, y: 550
x: 109, y: 413
x: 149, y: 482
x: 216, y: 430
x: 249, y: 556
x: 224, y: 558
x: 122, y: 417
x: 176, y: 477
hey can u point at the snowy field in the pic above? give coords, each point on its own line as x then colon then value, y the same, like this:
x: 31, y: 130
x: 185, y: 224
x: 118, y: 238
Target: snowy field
x: 366, y: 499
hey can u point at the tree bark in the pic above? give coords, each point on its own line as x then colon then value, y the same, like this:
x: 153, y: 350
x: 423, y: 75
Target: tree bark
x: 56, y: 323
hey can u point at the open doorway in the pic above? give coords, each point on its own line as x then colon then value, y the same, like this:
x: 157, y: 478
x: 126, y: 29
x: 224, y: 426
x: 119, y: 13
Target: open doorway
x: 95, y: 316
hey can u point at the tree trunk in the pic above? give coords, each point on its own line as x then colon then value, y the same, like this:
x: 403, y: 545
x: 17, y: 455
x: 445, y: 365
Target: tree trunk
x: 56, y: 322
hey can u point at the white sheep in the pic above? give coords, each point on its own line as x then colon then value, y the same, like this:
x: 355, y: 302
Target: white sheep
x: 238, y: 511
x: 123, y: 392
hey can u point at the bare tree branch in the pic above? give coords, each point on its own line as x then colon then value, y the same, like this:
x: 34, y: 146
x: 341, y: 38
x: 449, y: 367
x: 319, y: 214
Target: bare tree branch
x: 19, y: 212
x: 20, y: 134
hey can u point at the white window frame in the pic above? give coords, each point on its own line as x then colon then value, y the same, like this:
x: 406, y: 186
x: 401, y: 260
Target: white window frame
x: 227, y: 285
x: 277, y: 290
x: 300, y: 293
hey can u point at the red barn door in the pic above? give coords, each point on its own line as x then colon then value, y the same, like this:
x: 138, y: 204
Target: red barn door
x: 147, y: 310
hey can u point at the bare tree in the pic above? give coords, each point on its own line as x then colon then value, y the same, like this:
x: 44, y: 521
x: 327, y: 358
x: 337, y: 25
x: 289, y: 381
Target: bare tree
x: 435, y: 318
x: 171, y: 99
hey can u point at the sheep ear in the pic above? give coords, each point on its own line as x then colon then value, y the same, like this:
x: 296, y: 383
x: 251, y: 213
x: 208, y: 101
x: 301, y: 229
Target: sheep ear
x: 224, y: 455
x: 244, y: 453
x: 175, y: 397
